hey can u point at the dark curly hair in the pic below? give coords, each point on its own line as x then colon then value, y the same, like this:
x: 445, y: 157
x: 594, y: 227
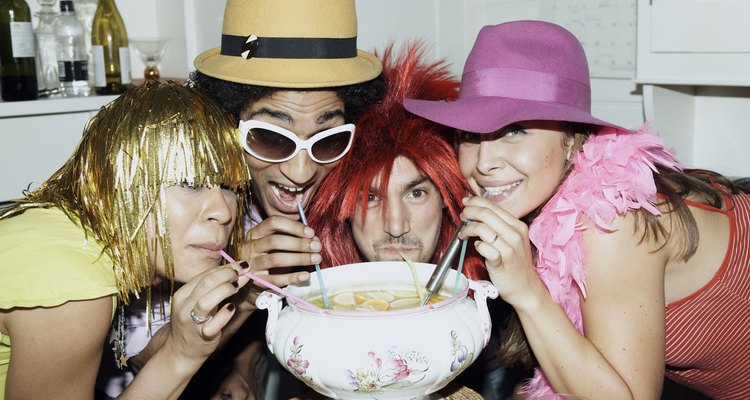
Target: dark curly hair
x: 234, y: 97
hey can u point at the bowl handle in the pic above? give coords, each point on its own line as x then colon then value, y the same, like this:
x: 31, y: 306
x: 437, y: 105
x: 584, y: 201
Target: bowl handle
x: 272, y: 302
x: 483, y: 290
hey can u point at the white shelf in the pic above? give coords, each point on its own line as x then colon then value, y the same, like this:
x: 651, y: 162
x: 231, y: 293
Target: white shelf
x: 57, y: 105
x: 668, y: 81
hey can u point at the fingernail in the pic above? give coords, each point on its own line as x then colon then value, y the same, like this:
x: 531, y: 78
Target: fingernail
x: 316, y: 259
x: 244, y: 265
x: 235, y: 284
x: 309, y: 232
x: 304, y: 277
x: 230, y: 307
x: 315, y: 245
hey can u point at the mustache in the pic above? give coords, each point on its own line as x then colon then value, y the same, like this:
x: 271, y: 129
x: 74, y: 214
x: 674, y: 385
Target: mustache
x: 404, y: 241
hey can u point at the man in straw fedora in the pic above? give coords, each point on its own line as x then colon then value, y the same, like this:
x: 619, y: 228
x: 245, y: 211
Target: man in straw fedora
x: 290, y: 74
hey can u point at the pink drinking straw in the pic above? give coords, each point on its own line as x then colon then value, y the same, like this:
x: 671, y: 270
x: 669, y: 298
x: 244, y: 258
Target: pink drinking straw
x: 271, y: 286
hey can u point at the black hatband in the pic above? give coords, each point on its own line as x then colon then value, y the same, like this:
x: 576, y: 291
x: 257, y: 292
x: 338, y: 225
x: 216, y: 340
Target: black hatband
x: 300, y: 48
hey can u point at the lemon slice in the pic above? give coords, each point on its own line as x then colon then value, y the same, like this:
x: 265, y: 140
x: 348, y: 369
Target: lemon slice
x: 411, y: 302
x: 376, y: 305
x: 360, y: 298
x: 344, y: 299
x: 402, y: 293
x: 385, y: 296
x: 435, y: 299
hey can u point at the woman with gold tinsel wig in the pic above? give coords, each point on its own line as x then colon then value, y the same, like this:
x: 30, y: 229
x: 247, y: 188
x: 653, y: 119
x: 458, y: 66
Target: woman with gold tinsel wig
x: 151, y: 195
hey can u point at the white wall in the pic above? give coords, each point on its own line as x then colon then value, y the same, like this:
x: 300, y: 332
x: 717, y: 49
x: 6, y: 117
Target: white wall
x: 448, y: 26
x: 451, y: 26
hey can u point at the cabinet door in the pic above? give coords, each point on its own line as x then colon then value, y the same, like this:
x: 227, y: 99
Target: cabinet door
x: 35, y: 147
x: 693, y: 42
x: 717, y: 26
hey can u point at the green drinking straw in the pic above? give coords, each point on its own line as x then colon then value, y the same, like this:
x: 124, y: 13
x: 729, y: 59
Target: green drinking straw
x: 463, y: 254
x: 317, y: 266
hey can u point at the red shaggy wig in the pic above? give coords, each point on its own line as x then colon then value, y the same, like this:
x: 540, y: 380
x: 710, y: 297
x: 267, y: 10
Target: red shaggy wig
x: 385, y: 132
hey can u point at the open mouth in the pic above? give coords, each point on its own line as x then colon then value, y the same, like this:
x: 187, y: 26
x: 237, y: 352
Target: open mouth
x: 285, y: 197
x: 491, y: 191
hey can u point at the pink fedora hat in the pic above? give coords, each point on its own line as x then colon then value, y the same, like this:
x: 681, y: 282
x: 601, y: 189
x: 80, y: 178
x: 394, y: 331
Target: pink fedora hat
x: 517, y: 71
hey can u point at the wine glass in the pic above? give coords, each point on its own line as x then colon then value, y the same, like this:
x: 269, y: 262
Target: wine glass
x: 150, y: 51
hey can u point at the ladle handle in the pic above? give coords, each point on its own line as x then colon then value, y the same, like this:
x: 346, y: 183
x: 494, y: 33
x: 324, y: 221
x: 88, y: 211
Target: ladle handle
x: 441, y: 270
x: 483, y: 290
x: 272, y: 302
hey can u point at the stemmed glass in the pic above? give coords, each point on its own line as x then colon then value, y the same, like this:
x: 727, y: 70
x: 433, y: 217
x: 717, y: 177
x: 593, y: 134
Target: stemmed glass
x: 150, y: 51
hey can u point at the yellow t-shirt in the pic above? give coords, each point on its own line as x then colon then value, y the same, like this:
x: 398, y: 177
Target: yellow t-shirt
x: 45, y: 261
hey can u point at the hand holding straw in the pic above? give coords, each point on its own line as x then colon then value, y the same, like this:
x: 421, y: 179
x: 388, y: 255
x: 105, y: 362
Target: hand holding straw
x: 463, y: 254
x: 271, y: 286
x: 317, y: 266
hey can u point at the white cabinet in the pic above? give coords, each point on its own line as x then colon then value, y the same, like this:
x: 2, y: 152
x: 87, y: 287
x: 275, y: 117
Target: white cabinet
x: 694, y: 42
x: 693, y: 60
x: 38, y: 136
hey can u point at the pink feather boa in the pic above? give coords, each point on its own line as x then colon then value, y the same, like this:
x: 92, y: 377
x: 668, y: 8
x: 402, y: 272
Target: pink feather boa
x: 611, y: 175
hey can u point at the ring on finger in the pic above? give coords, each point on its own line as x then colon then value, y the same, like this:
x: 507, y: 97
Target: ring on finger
x: 492, y: 243
x: 199, y: 319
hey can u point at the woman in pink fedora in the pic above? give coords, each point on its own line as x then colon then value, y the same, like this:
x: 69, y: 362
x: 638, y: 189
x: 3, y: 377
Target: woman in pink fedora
x: 620, y: 264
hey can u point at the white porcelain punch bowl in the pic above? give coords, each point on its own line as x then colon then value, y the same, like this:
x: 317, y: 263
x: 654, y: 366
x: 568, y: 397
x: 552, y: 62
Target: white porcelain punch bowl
x: 399, y: 354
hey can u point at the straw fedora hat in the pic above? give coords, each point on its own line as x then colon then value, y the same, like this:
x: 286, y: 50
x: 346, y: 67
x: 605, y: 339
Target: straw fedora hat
x: 289, y: 44
x: 518, y: 71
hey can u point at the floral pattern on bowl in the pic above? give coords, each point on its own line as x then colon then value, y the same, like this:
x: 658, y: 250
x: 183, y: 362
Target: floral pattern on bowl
x: 400, y: 370
x: 462, y: 357
x: 296, y: 363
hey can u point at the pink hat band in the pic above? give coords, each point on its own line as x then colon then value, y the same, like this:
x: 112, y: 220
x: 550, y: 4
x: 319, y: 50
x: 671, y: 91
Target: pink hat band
x: 525, y: 85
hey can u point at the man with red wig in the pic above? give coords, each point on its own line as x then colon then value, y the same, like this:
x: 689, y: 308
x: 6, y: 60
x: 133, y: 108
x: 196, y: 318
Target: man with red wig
x: 399, y: 190
x: 400, y: 187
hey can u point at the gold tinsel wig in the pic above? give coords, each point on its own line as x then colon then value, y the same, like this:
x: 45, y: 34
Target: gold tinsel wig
x: 152, y: 137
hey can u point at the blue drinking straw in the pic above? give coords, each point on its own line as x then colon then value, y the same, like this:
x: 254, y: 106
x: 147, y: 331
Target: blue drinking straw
x: 463, y: 254
x: 317, y: 266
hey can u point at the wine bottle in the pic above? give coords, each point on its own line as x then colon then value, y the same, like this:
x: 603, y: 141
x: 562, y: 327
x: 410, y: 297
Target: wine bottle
x: 72, y: 59
x: 109, y: 50
x: 17, y: 52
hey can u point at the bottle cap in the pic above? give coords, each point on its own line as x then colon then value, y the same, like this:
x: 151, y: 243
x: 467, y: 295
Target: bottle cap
x: 66, y: 5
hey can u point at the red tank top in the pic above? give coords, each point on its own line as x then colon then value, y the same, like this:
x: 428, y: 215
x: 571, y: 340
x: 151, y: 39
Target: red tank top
x: 708, y: 332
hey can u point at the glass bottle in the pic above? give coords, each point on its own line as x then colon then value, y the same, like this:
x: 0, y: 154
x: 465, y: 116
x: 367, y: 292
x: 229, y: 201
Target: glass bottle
x: 109, y: 49
x: 46, y: 49
x: 85, y: 10
x: 17, y: 52
x: 72, y: 59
